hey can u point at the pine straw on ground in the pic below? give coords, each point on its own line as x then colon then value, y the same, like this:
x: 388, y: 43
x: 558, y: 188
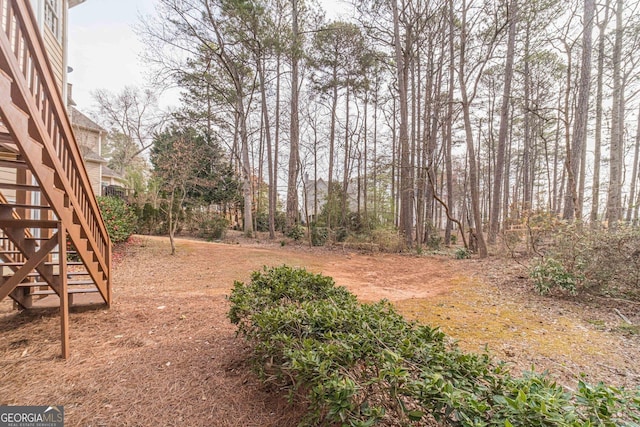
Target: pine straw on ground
x: 165, y: 353
x: 157, y: 357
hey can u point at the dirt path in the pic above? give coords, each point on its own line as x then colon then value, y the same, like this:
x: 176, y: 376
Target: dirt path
x: 164, y: 354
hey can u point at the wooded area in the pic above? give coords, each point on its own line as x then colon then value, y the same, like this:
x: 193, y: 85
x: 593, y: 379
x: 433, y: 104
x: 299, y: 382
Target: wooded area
x: 431, y: 117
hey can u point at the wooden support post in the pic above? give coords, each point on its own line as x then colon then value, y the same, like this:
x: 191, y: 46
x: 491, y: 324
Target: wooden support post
x: 64, y: 294
x: 22, y: 195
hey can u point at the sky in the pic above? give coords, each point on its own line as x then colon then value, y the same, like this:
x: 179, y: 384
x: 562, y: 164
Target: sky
x: 103, y: 47
x: 104, y: 50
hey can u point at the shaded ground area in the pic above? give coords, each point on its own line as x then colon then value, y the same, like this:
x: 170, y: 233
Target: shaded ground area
x: 165, y: 354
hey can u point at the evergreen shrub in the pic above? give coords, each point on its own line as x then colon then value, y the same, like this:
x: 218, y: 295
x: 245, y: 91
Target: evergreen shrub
x: 119, y: 218
x: 363, y: 364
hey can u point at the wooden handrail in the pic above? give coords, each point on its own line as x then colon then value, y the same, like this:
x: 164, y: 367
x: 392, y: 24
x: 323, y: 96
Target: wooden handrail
x: 35, y: 91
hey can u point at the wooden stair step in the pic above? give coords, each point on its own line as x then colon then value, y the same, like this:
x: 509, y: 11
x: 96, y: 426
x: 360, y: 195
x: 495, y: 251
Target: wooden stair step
x: 15, y: 164
x: 34, y: 274
x: 69, y: 291
x: 24, y: 206
x: 28, y: 223
x: 20, y: 264
x: 23, y: 187
x: 69, y: 282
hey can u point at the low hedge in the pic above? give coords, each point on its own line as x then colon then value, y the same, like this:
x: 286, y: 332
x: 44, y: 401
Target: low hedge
x: 363, y: 364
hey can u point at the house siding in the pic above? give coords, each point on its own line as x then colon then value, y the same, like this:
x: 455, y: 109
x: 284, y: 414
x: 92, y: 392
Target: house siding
x: 54, y: 52
x: 94, y: 170
x: 8, y: 175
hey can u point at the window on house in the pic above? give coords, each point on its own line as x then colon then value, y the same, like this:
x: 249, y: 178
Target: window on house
x: 52, y: 16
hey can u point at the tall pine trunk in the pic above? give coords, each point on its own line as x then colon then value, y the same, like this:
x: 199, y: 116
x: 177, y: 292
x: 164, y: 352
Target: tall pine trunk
x: 405, y: 190
x: 498, y: 179
x: 595, y: 189
x: 614, y: 196
x: 294, y: 129
x: 573, y: 205
x: 474, y: 189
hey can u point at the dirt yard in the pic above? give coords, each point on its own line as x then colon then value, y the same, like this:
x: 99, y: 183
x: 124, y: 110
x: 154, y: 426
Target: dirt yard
x: 166, y: 355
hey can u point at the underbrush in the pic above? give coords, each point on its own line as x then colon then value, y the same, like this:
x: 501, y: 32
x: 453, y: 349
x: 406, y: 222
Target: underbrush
x: 580, y: 259
x: 363, y: 364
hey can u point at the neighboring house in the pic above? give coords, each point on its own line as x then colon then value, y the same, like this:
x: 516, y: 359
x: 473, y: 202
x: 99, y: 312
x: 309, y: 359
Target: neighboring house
x: 113, y: 183
x: 91, y: 137
x: 315, y: 197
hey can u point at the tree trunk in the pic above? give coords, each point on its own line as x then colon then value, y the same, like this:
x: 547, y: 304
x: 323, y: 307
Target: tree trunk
x: 448, y: 140
x: 614, y: 197
x: 573, y: 207
x: 636, y: 206
x: 294, y: 149
x: 246, y: 167
x: 172, y: 224
x: 406, y: 196
x: 634, y: 174
x: 471, y: 156
x: 595, y: 189
x: 494, y: 226
x: 345, y: 176
x: 276, y: 142
x: 267, y: 131
x: 526, y: 152
x: 332, y: 144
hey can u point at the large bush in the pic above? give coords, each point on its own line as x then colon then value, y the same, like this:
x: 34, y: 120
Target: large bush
x: 213, y: 227
x: 119, y: 218
x: 605, y: 261
x: 364, y: 364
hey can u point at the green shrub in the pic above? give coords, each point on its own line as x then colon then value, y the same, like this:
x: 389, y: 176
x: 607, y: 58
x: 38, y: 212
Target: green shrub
x: 296, y: 232
x: 462, y: 253
x: 388, y: 239
x: 262, y: 221
x: 319, y: 235
x: 598, y: 260
x: 549, y: 274
x: 119, y: 218
x: 362, y: 364
x: 434, y: 242
x: 213, y: 227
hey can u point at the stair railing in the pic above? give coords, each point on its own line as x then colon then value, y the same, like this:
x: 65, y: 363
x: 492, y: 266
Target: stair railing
x: 50, y: 137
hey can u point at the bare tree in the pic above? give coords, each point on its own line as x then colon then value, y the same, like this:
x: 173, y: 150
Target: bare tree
x: 199, y: 30
x: 469, y: 81
x: 294, y: 129
x: 132, y: 117
x: 406, y: 190
x: 595, y: 189
x: 614, y: 195
x: 573, y: 202
x: 178, y: 159
x: 504, y: 123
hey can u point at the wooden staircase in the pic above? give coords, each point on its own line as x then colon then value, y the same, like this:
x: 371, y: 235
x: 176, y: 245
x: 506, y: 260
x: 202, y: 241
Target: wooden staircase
x: 46, y: 200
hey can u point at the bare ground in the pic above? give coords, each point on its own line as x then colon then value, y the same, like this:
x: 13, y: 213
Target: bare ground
x: 165, y: 354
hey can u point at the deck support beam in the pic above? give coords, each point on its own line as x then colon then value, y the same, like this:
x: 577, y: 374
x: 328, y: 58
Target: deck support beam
x: 35, y: 259
x: 61, y: 237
